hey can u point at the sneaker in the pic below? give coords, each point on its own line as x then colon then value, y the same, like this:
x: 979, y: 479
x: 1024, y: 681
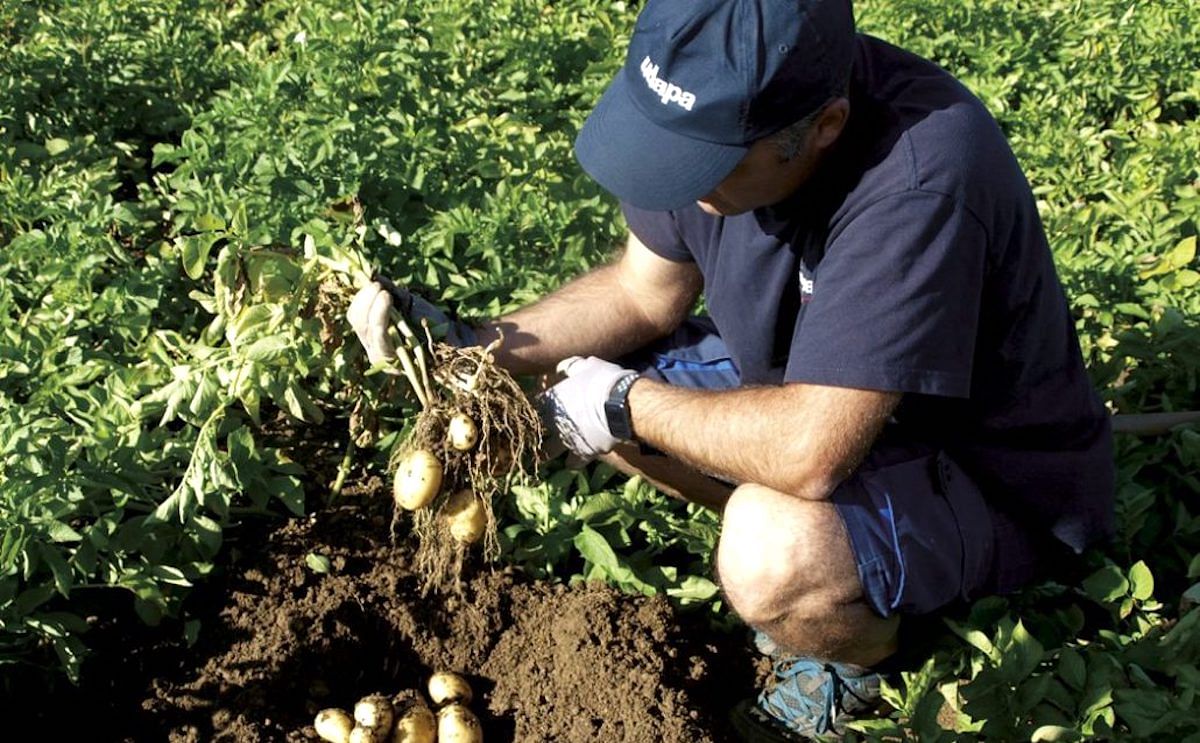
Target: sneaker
x: 806, y: 698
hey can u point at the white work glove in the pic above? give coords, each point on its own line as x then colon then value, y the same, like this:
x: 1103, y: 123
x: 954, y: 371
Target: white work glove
x: 573, y: 409
x: 368, y: 315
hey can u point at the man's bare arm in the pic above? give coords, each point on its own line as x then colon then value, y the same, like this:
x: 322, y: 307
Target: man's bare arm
x: 796, y: 438
x: 607, y: 312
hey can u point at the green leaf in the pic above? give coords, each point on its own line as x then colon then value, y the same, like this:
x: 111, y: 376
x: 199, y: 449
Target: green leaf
x: 60, y: 532
x: 1072, y: 669
x: 1126, y: 607
x: 12, y: 546
x: 194, y: 250
x: 532, y: 502
x: 1181, y: 645
x: 598, y: 506
x: 66, y: 621
x: 70, y: 651
x: 1144, y: 711
x: 1050, y: 733
x: 289, y: 491
x: 207, y: 533
x: 63, y: 578
x: 1181, y: 255
x: 57, y: 146
x: 1093, y: 704
x: 1028, y: 653
x: 271, y: 274
x: 191, y: 631
x: 1185, y: 278
x: 150, y: 612
x: 1031, y: 692
x: 694, y: 588
x: 988, y: 611
x: 32, y: 598
x: 163, y: 153
x: 209, y: 223
x: 595, y: 549
x: 268, y: 348
x: 319, y: 564
x: 1106, y: 585
x: 301, y: 405
x: 976, y: 639
x: 238, y: 225
x: 168, y: 574
x: 1133, y: 310
x: 882, y: 729
x: 1141, y: 580
x: 205, y: 399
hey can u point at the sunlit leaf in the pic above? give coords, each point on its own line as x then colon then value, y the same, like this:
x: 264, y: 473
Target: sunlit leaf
x: 1055, y: 733
x: 319, y: 564
x: 1141, y: 580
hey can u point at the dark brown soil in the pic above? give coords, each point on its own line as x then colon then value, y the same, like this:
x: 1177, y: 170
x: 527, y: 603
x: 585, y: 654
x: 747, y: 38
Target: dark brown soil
x: 278, y: 642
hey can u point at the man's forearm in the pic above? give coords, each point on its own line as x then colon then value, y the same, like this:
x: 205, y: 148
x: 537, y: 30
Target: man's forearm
x: 799, y: 439
x: 591, y: 315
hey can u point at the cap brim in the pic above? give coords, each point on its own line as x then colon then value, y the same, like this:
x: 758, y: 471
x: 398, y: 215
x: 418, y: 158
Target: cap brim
x: 643, y: 163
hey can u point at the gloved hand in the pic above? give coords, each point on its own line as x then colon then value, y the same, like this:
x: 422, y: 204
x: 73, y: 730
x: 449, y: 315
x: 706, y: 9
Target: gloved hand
x: 573, y: 409
x: 368, y: 315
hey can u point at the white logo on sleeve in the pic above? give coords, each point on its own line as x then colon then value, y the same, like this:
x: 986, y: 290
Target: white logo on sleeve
x: 668, y: 91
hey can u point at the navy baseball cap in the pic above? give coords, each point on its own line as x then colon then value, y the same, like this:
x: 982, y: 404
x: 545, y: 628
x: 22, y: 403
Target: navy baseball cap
x: 704, y: 79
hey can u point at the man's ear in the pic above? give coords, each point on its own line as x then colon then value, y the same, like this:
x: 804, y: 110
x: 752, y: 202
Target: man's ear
x: 831, y: 122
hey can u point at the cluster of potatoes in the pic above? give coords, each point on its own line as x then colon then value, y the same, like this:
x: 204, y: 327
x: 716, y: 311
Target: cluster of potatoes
x: 377, y: 719
x: 418, y: 479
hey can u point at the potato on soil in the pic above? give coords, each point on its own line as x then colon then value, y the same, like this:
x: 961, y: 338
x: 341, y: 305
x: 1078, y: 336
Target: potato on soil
x: 415, y: 724
x: 457, y: 724
x: 462, y: 432
x: 417, y: 480
x: 333, y: 725
x: 373, y: 711
x: 361, y: 734
x: 466, y: 517
x: 448, y: 687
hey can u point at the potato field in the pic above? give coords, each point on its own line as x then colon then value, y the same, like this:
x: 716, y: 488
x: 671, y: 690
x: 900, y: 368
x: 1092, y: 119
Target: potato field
x: 198, y: 536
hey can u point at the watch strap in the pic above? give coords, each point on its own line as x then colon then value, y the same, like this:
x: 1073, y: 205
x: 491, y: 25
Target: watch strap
x: 616, y: 408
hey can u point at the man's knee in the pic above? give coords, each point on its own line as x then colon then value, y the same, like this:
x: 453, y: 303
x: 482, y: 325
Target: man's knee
x: 783, y: 555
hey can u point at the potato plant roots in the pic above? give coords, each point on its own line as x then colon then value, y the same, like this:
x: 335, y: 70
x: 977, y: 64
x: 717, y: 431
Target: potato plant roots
x: 467, y: 381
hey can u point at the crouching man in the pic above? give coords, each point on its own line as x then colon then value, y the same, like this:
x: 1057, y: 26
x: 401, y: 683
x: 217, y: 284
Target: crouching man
x: 886, y: 399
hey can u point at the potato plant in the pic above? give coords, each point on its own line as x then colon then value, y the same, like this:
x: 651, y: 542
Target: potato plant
x: 449, y: 467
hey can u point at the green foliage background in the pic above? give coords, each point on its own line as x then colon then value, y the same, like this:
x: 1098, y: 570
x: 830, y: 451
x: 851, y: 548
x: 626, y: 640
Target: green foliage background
x: 179, y: 178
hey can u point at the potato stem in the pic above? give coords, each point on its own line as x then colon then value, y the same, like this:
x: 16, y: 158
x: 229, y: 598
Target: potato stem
x: 424, y: 367
x: 406, y: 359
x: 420, y: 351
x: 406, y: 364
x: 343, y: 470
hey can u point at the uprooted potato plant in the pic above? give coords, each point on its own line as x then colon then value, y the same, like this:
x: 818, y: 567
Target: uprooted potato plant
x: 475, y: 430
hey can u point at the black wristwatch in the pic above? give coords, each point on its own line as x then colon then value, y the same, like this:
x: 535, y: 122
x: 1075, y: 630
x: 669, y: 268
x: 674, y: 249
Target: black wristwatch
x: 616, y: 408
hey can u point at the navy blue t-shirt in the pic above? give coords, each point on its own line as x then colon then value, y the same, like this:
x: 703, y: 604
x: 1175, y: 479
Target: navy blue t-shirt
x: 915, y: 261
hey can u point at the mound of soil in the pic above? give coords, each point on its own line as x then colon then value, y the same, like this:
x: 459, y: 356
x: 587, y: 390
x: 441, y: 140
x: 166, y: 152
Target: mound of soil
x: 278, y: 642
